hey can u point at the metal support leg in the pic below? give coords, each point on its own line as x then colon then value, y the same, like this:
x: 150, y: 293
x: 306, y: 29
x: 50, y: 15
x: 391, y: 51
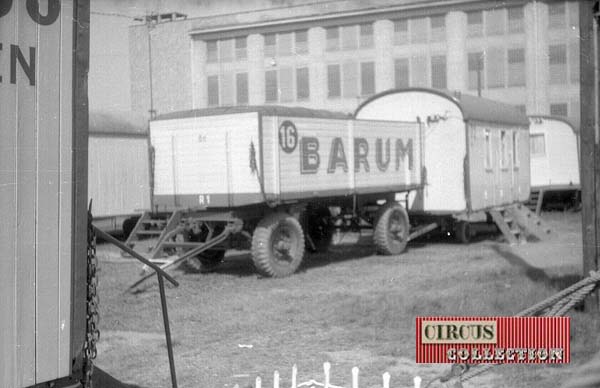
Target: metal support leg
x: 165, y: 313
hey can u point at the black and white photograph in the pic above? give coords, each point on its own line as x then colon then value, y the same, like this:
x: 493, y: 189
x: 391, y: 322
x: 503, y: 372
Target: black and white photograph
x: 299, y: 193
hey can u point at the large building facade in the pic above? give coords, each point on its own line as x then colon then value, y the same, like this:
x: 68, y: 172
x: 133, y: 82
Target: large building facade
x: 334, y: 54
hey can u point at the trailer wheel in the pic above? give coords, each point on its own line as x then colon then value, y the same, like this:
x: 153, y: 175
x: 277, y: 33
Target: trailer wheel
x: 277, y: 245
x: 391, y: 230
x: 463, y: 232
x: 128, y: 226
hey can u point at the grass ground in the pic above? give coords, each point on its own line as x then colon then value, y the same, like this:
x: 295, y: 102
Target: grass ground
x: 347, y: 306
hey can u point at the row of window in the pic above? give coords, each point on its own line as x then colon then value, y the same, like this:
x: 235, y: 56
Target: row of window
x: 497, y: 67
x: 563, y: 14
x: 413, y: 71
x: 349, y: 37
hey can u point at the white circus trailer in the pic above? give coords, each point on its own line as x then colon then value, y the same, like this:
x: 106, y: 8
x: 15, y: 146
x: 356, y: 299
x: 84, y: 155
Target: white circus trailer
x: 272, y: 174
x: 554, y: 147
x: 475, y: 153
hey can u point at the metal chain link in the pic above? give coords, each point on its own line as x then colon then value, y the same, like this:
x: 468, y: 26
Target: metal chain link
x: 92, y: 318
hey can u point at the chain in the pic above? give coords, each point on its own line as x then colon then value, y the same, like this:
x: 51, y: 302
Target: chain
x: 92, y: 334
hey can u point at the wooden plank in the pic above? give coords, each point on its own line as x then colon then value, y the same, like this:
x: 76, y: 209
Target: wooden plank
x: 8, y: 198
x: 588, y: 145
x: 26, y: 204
x: 506, y: 232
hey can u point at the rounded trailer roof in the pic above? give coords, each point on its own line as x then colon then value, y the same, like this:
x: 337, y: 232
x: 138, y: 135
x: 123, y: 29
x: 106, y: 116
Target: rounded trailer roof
x: 266, y: 110
x: 473, y: 108
x: 564, y: 119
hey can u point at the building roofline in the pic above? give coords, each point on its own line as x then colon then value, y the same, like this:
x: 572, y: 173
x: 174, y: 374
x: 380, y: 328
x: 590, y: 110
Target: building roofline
x: 429, y: 7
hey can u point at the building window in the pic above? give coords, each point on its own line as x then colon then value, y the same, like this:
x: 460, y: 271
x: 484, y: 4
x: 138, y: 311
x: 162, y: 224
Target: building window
x: 537, y: 144
x: 418, y: 66
x: 350, y: 79
x: 494, y: 22
x: 270, y: 45
x: 284, y: 44
x: 474, y: 23
x: 349, y: 37
x: 241, y: 88
x: 400, y: 32
x: 366, y: 35
x: 302, y: 84
x: 271, y: 92
x: 504, y: 148
x: 401, y: 74
x: 240, y: 48
x: 301, y: 38
x: 556, y: 15
x: 488, y: 149
x: 212, y: 82
x: 418, y: 30
x: 438, y: 28
x: 367, y: 78
x: 574, y: 61
x: 515, y: 150
x: 516, y: 19
x: 438, y: 72
x: 286, y: 84
x: 333, y: 38
x: 334, y: 88
x: 516, y: 67
x: 475, y: 64
x: 557, y: 56
x: 212, y: 54
x: 573, y: 7
x: 226, y: 50
x: 560, y: 109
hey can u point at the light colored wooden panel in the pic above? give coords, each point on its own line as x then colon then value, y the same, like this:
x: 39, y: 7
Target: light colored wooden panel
x: 8, y: 198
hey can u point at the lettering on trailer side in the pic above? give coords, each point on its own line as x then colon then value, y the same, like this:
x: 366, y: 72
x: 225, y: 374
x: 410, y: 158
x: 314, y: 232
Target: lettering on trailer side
x: 309, y: 155
x: 337, y: 156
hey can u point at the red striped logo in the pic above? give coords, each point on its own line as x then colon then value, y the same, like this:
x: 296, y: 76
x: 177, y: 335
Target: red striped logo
x: 474, y: 340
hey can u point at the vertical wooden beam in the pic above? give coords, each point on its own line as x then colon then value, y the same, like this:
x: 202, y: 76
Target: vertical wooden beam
x: 590, y: 171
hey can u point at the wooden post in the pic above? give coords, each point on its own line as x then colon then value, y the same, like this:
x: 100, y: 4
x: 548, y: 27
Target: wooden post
x: 589, y: 138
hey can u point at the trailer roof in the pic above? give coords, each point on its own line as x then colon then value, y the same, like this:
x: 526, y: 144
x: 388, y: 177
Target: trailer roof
x: 472, y: 107
x: 267, y: 110
x: 564, y: 119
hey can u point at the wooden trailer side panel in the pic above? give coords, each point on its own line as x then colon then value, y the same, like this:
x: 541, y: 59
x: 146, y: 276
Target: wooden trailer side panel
x: 36, y: 192
x: 118, y: 174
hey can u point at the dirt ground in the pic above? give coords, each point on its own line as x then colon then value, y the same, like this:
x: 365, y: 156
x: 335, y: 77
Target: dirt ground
x: 347, y: 306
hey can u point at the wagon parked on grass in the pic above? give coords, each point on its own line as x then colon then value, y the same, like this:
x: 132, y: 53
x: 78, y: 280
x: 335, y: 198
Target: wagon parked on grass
x: 475, y: 159
x: 265, y: 178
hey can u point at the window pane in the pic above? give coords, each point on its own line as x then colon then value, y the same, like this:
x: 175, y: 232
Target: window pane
x: 400, y: 32
x: 212, y: 83
x: 349, y: 37
x: 271, y: 92
x: 537, y: 144
x: 301, y: 42
x: 418, y: 30
x: 495, y: 67
x: 559, y: 109
x: 494, y: 21
x: 556, y: 15
x: 333, y: 41
x: 515, y: 148
x: 350, y: 79
x: 488, y: 149
x: 418, y: 70
x: 438, y: 72
x: 557, y: 56
x: 438, y: 28
x: 515, y: 19
x: 284, y: 44
x: 367, y: 78
x: 474, y: 23
x: 574, y: 61
x: 302, y: 84
x: 212, y: 54
x: 366, y: 35
x: 401, y: 73
x: 516, y: 67
x: 226, y: 50
x: 240, y: 48
x: 504, y: 147
x: 270, y: 40
x: 241, y: 81
x: 333, y: 81
x: 475, y: 63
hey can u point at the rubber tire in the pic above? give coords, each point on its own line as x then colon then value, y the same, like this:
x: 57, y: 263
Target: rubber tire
x: 320, y: 233
x: 385, y: 243
x: 463, y: 232
x: 128, y: 226
x: 263, y: 255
